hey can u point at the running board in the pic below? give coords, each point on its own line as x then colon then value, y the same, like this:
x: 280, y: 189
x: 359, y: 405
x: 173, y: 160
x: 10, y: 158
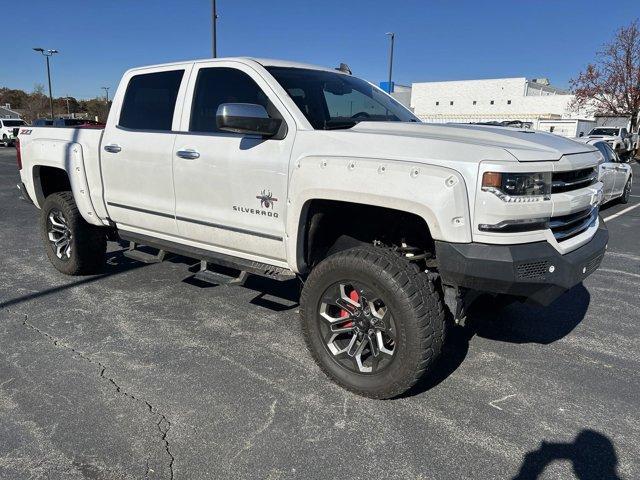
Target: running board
x: 141, y: 256
x: 244, y: 265
x: 218, y: 278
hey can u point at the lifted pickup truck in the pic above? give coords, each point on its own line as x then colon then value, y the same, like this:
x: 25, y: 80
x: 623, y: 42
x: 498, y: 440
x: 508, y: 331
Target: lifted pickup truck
x: 283, y: 169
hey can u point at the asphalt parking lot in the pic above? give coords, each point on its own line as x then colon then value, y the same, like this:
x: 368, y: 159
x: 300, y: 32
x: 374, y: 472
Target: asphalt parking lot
x: 137, y: 373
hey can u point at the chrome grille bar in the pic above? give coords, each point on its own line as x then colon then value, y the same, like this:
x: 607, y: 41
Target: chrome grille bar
x: 568, y: 226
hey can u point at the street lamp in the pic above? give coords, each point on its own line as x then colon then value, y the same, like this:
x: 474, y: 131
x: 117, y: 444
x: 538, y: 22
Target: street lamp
x: 48, y: 53
x: 392, y: 36
x: 106, y: 91
x: 214, y: 20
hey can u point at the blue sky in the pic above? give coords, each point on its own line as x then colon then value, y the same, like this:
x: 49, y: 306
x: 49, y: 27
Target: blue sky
x: 435, y: 39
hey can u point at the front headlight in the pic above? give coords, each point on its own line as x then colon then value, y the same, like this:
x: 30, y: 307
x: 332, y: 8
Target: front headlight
x: 518, y: 187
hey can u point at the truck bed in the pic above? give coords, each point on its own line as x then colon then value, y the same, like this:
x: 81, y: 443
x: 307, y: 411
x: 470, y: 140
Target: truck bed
x: 75, y: 150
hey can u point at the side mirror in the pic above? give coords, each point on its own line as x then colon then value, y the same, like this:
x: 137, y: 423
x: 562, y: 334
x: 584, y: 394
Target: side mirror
x: 581, y: 134
x: 246, y: 118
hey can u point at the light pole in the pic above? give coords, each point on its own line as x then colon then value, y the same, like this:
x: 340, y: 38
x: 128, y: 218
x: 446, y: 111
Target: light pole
x: 106, y: 91
x: 214, y: 21
x: 48, y: 53
x: 392, y: 36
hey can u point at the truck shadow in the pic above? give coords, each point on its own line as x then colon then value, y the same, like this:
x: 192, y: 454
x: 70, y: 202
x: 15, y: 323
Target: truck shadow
x: 116, y: 264
x: 592, y: 456
x: 515, y: 323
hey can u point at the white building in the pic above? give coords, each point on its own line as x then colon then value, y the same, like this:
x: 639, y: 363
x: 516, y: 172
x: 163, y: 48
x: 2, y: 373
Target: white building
x: 497, y: 99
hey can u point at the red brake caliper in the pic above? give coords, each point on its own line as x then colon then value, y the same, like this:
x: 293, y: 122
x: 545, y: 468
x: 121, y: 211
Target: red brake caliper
x: 353, y: 295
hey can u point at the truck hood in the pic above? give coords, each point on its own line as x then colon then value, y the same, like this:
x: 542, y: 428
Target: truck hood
x: 524, y: 145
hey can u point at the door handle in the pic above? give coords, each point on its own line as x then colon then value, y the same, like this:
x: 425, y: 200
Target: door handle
x: 113, y: 148
x: 188, y: 153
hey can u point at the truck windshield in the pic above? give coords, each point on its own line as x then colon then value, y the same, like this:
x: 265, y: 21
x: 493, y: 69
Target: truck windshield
x: 333, y: 100
x: 604, y: 131
x: 13, y: 123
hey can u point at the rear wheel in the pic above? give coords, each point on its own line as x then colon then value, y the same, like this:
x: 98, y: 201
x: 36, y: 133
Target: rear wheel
x: 626, y: 193
x: 73, y: 246
x: 373, y: 321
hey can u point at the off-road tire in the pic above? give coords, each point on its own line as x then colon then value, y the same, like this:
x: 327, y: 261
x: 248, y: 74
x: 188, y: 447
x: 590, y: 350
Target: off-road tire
x: 417, y: 308
x: 88, y: 242
x: 626, y: 193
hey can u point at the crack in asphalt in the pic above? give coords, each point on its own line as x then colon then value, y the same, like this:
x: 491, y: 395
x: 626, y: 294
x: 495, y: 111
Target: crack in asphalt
x: 163, y: 423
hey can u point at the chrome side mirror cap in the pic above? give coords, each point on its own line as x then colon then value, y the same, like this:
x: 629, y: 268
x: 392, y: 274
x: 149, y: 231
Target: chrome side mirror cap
x: 246, y: 118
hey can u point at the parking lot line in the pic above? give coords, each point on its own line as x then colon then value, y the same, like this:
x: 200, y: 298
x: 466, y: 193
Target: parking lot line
x: 628, y: 209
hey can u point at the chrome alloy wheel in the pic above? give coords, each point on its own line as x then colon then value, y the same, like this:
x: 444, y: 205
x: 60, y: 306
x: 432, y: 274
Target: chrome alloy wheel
x: 357, y: 327
x: 59, y: 234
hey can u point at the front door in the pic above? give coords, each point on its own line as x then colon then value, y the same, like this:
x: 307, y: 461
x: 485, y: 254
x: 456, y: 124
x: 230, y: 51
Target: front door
x: 231, y: 189
x: 137, y: 151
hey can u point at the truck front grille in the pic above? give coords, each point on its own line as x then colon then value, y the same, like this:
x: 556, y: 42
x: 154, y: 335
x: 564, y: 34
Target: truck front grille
x: 573, y: 179
x: 568, y: 226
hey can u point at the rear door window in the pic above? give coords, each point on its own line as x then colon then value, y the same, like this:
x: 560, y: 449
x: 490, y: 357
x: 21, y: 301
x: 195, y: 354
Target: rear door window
x: 150, y: 101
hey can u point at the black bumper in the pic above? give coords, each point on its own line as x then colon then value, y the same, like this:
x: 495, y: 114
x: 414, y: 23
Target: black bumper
x: 534, y: 271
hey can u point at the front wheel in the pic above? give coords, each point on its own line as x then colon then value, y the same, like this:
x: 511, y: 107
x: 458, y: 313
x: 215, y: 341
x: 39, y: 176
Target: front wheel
x: 73, y: 246
x: 373, y: 321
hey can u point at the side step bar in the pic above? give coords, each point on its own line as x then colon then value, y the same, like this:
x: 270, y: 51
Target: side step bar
x: 244, y: 265
x: 218, y: 278
x: 141, y: 256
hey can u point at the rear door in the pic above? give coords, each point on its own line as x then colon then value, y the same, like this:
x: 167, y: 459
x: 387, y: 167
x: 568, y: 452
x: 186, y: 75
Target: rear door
x: 607, y: 170
x: 137, y: 150
x: 621, y: 172
x: 231, y: 189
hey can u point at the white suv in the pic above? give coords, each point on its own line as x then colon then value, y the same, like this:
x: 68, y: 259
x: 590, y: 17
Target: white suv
x: 9, y: 130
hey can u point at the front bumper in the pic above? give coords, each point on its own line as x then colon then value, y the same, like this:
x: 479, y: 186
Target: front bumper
x: 536, y: 271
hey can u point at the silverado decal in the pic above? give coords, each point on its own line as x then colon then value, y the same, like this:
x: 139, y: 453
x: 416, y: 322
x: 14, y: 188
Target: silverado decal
x: 25, y: 131
x: 267, y: 201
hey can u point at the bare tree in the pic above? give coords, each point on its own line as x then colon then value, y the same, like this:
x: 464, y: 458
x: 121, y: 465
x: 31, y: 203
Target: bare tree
x: 36, y: 104
x: 611, y: 85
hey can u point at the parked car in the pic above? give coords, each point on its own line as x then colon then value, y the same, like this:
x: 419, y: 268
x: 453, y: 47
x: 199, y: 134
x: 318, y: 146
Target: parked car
x: 618, y: 138
x: 9, y: 130
x: 42, y: 122
x: 615, y: 173
x: 77, y: 122
x: 288, y: 170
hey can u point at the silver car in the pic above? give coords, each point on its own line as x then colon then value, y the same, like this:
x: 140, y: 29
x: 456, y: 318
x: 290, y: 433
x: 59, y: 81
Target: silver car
x: 615, y: 173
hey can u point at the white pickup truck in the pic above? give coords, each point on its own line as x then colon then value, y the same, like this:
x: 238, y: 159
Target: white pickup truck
x: 618, y: 138
x: 289, y: 170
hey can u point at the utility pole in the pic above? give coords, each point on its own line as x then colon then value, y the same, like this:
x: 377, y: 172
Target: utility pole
x: 106, y: 91
x: 214, y: 21
x: 392, y: 36
x: 48, y: 53
x: 67, y: 99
